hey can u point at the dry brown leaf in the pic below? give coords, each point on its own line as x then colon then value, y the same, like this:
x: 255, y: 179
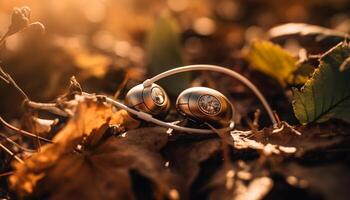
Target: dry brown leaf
x: 108, y: 171
x: 315, y: 39
x: 187, y: 158
x: 89, y: 116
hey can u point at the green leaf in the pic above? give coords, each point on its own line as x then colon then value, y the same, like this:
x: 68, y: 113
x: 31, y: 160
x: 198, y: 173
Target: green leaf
x: 272, y: 60
x: 326, y: 94
x: 164, y: 53
x: 302, y: 74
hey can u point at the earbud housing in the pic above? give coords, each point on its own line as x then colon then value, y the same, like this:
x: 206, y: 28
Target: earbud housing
x: 152, y: 99
x: 206, y: 105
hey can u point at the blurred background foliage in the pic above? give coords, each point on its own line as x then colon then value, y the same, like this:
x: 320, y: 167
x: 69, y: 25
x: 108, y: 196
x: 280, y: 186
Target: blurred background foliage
x: 112, y: 45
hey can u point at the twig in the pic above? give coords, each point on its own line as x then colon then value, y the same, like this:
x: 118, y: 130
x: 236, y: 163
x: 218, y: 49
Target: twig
x: 50, y: 107
x: 4, y: 79
x: 256, y: 119
x: 284, y: 125
x: 277, y: 118
x: 16, y: 144
x: 11, y: 153
x: 254, y: 126
x: 8, y: 79
x: 121, y: 86
x: 23, y: 131
x: 6, y: 174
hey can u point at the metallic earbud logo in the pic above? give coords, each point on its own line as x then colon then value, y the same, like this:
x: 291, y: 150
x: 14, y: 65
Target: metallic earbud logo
x: 208, y: 104
x: 157, y: 96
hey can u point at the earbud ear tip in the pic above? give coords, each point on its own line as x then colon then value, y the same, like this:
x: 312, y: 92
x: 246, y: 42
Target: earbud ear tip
x: 151, y: 99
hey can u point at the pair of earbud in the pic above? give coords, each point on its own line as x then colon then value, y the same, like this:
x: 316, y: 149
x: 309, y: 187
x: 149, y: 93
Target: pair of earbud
x: 197, y: 103
x: 149, y: 101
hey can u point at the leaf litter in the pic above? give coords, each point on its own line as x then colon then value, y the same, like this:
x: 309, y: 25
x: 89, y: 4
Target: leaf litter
x: 101, y: 153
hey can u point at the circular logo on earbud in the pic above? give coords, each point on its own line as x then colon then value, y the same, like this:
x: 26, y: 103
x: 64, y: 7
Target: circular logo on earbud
x: 209, y: 104
x: 157, y: 96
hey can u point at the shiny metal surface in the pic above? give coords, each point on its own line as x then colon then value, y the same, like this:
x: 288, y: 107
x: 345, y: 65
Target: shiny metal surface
x: 152, y: 100
x: 206, y: 105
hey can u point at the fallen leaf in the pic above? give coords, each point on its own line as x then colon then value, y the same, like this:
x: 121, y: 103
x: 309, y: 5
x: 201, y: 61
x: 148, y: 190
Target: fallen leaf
x: 326, y: 94
x: 304, y: 30
x: 272, y: 60
x: 315, y: 39
x: 91, y: 64
x: 187, y: 158
x: 302, y: 74
x: 89, y: 116
x: 107, y: 171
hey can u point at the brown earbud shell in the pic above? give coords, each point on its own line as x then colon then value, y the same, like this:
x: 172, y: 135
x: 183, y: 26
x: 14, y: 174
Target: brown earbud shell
x: 152, y: 100
x: 206, y: 105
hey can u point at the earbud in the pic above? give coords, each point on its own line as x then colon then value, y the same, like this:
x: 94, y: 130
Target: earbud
x: 206, y: 105
x: 151, y: 99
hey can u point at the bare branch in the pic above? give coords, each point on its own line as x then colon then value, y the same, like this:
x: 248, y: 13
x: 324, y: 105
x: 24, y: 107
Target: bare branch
x: 16, y: 144
x: 23, y: 132
x: 4, y: 79
x: 50, y: 107
x: 8, y: 79
x: 6, y: 174
x: 11, y: 153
